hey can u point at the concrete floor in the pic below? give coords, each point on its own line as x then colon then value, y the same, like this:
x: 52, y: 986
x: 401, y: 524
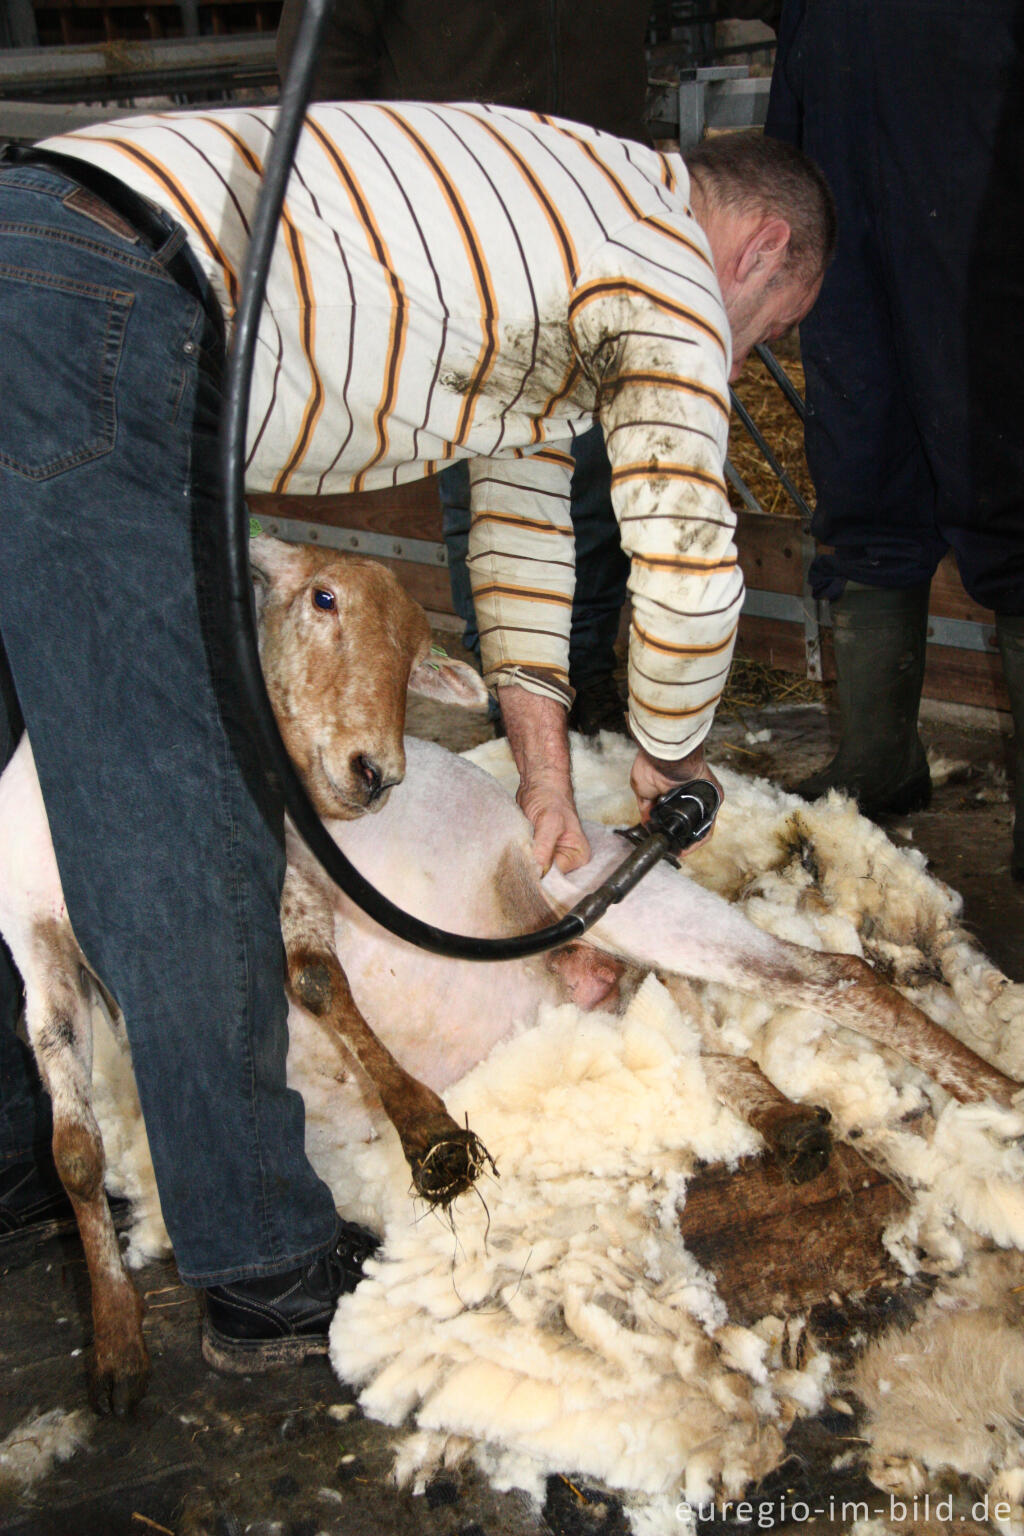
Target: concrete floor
x: 288, y: 1455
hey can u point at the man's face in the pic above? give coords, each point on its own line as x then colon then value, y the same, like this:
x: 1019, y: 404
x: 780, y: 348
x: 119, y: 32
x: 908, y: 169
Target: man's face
x: 765, y: 309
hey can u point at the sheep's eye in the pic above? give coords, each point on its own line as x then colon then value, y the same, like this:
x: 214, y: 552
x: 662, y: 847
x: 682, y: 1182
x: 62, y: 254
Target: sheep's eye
x: 324, y: 599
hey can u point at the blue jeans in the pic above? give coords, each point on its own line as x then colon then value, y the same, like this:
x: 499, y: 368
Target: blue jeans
x: 601, y: 567
x: 169, y: 846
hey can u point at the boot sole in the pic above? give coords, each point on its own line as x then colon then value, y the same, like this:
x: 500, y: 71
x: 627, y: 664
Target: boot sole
x: 915, y: 795
x: 251, y: 1357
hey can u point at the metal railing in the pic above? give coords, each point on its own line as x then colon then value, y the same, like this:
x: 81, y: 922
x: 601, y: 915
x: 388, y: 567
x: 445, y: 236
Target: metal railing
x: 52, y: 90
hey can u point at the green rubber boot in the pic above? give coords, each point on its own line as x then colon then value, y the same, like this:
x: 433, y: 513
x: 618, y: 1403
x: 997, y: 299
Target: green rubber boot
x: 1010, y: 630
x: 880, y: 637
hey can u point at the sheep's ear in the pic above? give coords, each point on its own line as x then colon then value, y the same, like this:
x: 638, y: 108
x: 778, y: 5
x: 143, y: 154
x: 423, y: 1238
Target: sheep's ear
x: 446, y: 681
x: 273, y: 563
x: 270, y: 558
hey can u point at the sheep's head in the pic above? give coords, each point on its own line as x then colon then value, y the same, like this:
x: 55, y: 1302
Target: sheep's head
x: 341, y: 644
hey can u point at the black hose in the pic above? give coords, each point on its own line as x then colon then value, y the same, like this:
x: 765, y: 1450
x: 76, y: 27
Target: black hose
x: 238, y: 582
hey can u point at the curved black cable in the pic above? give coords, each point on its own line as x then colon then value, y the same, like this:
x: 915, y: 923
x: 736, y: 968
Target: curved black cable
x: 241, y: 618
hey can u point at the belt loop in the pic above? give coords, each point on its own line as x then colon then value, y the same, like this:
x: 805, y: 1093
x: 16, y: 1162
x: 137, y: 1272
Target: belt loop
x: 171, y: 246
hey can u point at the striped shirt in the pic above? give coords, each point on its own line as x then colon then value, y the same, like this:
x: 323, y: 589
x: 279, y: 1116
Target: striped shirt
x: 471, y: 281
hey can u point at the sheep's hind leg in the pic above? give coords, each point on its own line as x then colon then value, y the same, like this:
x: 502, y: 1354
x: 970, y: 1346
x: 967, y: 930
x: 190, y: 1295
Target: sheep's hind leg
x: 846, y: 989
x: 58, y: 1017
x: 797, y: 1135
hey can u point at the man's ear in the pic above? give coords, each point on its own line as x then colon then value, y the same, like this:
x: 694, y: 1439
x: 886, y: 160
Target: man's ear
x: 765, y: 249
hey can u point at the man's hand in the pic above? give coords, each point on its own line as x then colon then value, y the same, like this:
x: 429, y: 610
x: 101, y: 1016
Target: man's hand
x: 650, y: 780
x: 538, y: 735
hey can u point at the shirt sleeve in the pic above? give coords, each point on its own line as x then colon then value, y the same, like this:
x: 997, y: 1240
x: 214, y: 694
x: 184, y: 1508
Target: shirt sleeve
x: 522, y: 568
x: 651, y: 331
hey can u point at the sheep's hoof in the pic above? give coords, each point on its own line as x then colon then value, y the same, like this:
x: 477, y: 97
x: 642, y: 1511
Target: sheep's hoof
x: 118, y: 1389
x: 802, y: 1144
x: 450, y: 1166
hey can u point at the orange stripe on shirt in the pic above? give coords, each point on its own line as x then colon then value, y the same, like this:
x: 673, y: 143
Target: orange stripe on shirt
x: 559, y: 229
x: 482, y: 279
x: 399, y: 304
x: 655, y: 469
x: 678, y: 714
x: 317, y: 394
x: 553, y: 456
x: 629, y: 203
x: 683, y: 563
x: 521, y: 595
x: 605, y: 287
x: 188, y: 210
x: 303, y: 280
x: 511, y: 521
x: 666, y: 381
x: 671, y: 232
x: 668, y: 649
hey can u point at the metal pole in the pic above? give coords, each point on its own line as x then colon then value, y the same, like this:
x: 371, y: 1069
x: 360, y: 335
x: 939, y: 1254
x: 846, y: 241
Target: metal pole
x: 773, y: 463
x: 782, y: 379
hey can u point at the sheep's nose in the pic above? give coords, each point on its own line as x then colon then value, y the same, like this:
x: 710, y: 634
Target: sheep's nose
x: 372, y: 776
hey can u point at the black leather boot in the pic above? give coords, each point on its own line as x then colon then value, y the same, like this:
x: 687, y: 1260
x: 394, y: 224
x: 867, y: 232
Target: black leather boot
x: 1010, y: 630
x: 256, y: 1325
x: 880, y: 638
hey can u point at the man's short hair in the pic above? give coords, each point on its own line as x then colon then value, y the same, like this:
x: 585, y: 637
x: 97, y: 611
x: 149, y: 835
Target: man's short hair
x: 751, y: 172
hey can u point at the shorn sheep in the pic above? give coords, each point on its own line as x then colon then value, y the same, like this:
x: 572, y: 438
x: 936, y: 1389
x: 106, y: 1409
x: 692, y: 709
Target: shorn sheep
x: 447, y: 843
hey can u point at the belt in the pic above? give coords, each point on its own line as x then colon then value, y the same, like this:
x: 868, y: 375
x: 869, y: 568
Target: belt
x: 155, y: 229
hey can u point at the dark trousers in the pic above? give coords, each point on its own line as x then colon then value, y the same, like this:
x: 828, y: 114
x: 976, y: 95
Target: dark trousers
x: 914, y: 109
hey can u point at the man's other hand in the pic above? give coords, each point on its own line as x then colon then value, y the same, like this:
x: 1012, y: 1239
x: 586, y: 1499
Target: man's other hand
x: 538, y: 735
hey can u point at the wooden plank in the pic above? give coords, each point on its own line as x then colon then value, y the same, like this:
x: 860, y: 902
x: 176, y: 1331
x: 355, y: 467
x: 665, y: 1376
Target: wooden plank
x: 769, y: 551
x: 770, y: 554
x: 411, y: 511
x: 965, y: 677
x: 775, y: 642
x: 949, y: 599
x: 780, y: 1248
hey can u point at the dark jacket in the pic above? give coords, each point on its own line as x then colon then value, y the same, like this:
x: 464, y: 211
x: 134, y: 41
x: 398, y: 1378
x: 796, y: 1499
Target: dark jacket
x: 581, y: 59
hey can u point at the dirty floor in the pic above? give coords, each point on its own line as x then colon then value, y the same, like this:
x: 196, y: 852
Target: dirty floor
x: 288, y: 1454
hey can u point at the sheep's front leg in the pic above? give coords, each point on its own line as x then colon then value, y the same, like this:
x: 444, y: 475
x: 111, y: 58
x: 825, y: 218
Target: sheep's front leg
x: 445, y: 1158
x: 57, y: 1014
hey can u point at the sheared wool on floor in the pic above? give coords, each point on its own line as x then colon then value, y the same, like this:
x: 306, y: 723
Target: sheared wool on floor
x: 558, y: 1324
x: 29, y: 1452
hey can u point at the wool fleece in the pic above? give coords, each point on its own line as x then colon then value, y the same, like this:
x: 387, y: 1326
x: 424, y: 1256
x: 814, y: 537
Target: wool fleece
x: 555, y: 1321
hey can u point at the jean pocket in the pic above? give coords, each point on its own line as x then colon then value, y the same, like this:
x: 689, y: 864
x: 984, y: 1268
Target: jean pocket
x: 58, y: 371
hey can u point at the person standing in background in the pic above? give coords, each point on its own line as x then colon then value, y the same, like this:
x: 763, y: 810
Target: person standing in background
x: 915, y: 112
